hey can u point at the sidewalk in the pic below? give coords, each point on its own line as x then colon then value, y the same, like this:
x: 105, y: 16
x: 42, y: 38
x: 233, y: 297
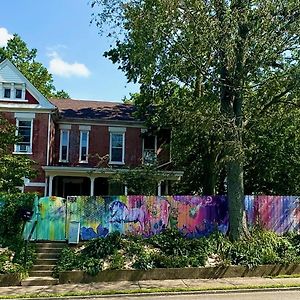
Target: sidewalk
x: 142, y: 286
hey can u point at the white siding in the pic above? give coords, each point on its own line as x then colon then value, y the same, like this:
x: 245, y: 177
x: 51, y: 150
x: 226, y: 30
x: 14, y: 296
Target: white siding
x: 8, y: 75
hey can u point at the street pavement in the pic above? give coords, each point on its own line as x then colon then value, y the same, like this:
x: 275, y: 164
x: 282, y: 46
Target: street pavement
x: 141, y: 286
x: 265, y: 295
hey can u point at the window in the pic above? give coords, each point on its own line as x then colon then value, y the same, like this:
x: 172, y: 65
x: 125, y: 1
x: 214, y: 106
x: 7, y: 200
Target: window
x: 24, y: 132
x: 7, y: 93
x: 149, y: 149
x: 18, y: 94
x: 117, y: 148
x: 64, y: 145
x: 84, y: 146
x: 13, y: 91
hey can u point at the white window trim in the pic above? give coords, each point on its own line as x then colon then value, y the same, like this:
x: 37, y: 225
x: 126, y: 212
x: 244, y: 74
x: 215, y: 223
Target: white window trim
x: 18, y: 119
x: 13, y: 87
x: 123, y: 148
x: 155, y: 147
x: 60, y: 145
x: 87, y: 146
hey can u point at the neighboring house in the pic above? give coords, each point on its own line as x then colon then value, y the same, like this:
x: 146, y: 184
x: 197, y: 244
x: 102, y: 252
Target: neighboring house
x: 77, y: 144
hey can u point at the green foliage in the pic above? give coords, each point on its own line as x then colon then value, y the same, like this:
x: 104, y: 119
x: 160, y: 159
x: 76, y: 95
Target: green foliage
x: 11, y: 223
x: 170, y: 249
x: 68, y: 260
x: 140, y: 180
x: 25, y: 60
x: 117, y: 261
x: 264, y: 247
x: 13, y: 168
x: 91, y: 265
x: 11, y: 228
x: 103, y: 247
x: 7, y: 266
x: 223, y: 75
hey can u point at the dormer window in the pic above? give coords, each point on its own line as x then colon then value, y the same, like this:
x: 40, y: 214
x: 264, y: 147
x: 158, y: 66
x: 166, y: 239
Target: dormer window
x: 18, y: 94
x: 7, y: 93
x: 12, y: 91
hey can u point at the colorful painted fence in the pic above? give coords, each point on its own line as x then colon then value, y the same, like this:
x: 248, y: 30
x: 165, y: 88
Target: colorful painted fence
x: 277, y: 213
x: 131, y: 215
x: 193, y: 216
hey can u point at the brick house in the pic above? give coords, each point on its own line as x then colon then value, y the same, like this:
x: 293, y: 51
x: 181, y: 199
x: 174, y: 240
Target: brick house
x: 77, y: 144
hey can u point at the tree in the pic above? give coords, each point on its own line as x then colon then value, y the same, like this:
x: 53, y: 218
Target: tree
x: 244, y: 53
x: 24, y: 59
x: 13, y: 168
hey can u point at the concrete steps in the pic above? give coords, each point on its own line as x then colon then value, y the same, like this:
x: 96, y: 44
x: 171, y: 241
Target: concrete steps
x: 41, y: 272
x: 39, y: 281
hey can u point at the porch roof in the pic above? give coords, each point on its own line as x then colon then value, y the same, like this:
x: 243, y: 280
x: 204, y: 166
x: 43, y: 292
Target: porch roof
x: 99, y: 172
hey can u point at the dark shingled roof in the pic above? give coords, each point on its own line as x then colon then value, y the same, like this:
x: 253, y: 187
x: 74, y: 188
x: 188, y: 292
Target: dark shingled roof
x: 94, y: 110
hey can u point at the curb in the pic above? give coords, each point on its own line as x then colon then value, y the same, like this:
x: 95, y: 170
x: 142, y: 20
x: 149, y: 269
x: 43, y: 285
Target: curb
x: 136, y: 295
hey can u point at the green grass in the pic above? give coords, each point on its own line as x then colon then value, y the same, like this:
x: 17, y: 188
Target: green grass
x: 148, y: 291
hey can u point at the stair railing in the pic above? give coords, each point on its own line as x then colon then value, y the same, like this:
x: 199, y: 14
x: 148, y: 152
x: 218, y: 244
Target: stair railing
x: 27, y: 241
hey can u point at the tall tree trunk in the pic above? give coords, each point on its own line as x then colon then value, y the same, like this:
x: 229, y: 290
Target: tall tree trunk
x: 210, y: 176
x: 232, y: 80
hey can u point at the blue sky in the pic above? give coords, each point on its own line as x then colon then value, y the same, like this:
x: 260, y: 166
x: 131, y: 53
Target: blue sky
x: 67, y: 45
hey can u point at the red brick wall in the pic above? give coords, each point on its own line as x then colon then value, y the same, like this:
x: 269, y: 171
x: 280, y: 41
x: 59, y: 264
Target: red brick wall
x: 39, y: 144
x: 39, y: 141
x: 99, y: 138
x: 133, y: 147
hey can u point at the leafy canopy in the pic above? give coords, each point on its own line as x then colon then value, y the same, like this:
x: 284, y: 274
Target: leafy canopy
x: 25, y: 60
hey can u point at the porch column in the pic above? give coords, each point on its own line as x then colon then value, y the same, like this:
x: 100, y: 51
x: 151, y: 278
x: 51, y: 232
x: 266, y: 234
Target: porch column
x: 50, y: 185
x: 45, y: 189
x: 167, y: 187
x: 159, y: 189
x: 92, y: 186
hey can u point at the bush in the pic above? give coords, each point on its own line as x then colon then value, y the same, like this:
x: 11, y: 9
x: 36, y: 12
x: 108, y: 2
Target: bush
x: 103, y: 247
x: 68, y: 260
x: 265, y: 247
x: 11, y: 228
x: 170, y: 249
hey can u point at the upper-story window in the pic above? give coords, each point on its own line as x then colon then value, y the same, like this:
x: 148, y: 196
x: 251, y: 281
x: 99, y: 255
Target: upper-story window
x: 149, y: 149
x: 64, y: 145
x: 117, y: 145
x: 84, y: 146
x: 24, y: 124
x: 12, y: 91
x: 18, y: 94
x: 7, y: 93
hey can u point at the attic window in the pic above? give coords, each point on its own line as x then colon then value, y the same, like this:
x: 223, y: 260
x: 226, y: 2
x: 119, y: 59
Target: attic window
x: 7, y: 93
x: 12, y: 91
x: 18, y: 94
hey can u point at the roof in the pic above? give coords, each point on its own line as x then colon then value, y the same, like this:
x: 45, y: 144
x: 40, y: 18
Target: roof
x: 10, y: 73
x: 95, y: 110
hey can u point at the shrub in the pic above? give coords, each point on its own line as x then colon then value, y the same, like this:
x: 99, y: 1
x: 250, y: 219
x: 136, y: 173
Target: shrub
x: 103, y: 247
x: 11, y: 228
x: 265, y: 247
x: 91, y: 265
x: 68, y: 260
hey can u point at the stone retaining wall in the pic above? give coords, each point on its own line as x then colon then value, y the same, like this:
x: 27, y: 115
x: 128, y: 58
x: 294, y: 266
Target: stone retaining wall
x: 179, y: 273
x: 10, y: 279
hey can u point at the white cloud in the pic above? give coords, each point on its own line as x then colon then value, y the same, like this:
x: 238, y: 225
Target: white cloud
x: 59, y: 67
x: 4, y: 36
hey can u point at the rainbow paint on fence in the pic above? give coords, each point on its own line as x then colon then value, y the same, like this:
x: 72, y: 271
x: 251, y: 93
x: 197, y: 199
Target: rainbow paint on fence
x: 193, y: 216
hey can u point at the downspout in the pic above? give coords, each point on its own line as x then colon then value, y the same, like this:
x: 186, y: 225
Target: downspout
x: 48, y: 151
x: 48, y: 140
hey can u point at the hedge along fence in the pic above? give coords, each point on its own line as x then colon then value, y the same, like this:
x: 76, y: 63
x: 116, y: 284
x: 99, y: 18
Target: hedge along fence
x: 193, y: 216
